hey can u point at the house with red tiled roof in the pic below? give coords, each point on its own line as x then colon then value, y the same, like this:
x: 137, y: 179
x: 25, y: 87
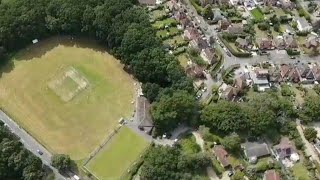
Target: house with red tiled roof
x: 271, y: 175
x: 222, y: 156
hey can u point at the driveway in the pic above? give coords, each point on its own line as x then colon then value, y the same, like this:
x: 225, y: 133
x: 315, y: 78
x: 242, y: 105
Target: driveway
x: 310, y: 151
x: 211, y: 173
x: 30, y: 143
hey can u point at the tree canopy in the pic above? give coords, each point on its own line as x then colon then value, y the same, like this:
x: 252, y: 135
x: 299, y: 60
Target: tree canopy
x: 170, y: 110
x: 163, y: 162
x: 15, y: 161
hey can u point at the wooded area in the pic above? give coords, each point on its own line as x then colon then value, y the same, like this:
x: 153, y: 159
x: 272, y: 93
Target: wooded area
x: 15, y: 161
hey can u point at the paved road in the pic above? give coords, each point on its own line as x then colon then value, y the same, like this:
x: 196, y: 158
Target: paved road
x: 310, y: 151
x: 30, y: 143
x: 276, y: 57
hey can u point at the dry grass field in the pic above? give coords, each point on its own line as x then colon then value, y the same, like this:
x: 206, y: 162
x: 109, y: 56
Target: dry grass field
x: 69, y: 113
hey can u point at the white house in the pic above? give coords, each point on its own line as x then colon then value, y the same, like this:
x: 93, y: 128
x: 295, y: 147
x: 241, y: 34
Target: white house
x: 303, y: 24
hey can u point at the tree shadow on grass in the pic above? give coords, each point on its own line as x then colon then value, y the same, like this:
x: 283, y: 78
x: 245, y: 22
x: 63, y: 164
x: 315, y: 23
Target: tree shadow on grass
x: 43, y: 46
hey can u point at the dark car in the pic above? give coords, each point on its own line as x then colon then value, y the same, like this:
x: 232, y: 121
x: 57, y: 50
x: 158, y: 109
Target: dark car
x: 228, y: 53
x: 39, y: 152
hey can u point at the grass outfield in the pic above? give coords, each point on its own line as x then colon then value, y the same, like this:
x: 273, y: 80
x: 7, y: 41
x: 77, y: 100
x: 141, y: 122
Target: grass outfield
x: 77, y: 126
x: 123, y: 149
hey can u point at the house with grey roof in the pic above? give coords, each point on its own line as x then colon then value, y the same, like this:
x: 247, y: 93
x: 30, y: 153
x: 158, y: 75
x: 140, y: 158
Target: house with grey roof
x: 312, y: 41
x: 143, y: 115
x: 255, y: 150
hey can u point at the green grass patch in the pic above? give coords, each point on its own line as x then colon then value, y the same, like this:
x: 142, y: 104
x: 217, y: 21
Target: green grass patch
x: 189, y: 145
x: 77, y: 126
x: 118, y: 155
x: 175, y: 41
x: 257, y: 14
x: 183, y: 59
x: 300, y: 171
x: 156, y: 14
x: 163, y: 23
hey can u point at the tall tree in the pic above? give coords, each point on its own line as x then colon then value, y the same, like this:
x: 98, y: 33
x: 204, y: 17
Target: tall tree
x: 180, y: 107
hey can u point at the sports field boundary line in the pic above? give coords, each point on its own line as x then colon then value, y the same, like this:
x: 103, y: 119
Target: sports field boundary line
x: 102, y: 145
x: 85, y: 169
x: 28, y: 132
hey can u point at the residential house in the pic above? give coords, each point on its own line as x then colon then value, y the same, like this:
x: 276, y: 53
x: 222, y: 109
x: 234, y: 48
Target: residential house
x: 305, y: 73
x: 180, y: 14
x: 274, y: 74
x: 312, y: 41
x: 243, y: 43
x: 195, y: 71
x: 280, y: 43
x: 265, y: 44
x: 227, y: 92
x: 209, y: 55
x: 217, y: 15
x: 186, y: 22
x: 199, y: 44
x: 285, y: 149
x: 205, y: 2
x: 316, y: 72
x: 255, y: 150
x: 291, y: 42
x: 286, y: 4
x: 149, y: 2
x: 191, y: 33
x: 143, y: 115
x: 222, y: 156
x: 260, y: 79
x: 270, y: 2
x: 235, y: 29
x: 271, y: 175
x: 224, y: 24
x: 289, y: 73
x: 303, y: 24
x: 240, y: 83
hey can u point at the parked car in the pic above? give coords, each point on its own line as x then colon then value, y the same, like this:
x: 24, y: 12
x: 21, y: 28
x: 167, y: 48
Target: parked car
x: 39, y: 152
x: 228, y: 53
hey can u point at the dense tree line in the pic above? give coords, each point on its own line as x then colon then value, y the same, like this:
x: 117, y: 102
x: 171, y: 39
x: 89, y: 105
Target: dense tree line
x: 17, y: 163
x: 121, y: 26
x: 163, y: 162
x: 254, y: 117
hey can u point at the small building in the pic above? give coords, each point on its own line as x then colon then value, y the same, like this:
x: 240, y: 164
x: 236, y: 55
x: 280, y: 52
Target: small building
x: 222, y: 156
x: 271, y: 175
x: 243, y: 43
x: 265, y: 44
x: 148, y: 2
x: 280, y: 43
x: 305, y: 73
x: 199, y: 44
x: 255, y: 150
x: 191, y: 33
x: 303, y: 24
x: 143, y: 115
x: 285, y: 149
x: 209, y: 55
x: 290, y: 41
x: 224, y: 24
x: 195, y: 71
x: 316, y: 72
x: 312, y: 41
x: 227, y: 92
x: 235, y: 29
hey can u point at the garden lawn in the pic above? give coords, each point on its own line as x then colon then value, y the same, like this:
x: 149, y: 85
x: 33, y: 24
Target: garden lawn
x: 118, y: 155
x: 183, y: 59
x: 77, y: 126
x: 175, y: 40
x: 257, y: 14
x: 156, y: 14
x: 300, y: 172
x: 163, y: 23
